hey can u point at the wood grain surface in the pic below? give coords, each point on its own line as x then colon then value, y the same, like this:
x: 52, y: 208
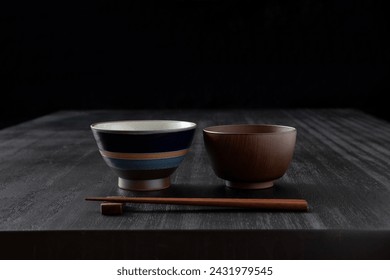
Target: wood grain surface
x: 340, y: 166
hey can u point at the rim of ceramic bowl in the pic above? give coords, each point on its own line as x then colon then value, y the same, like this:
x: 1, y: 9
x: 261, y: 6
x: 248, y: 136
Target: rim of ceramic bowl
x: 142, y: 126
x: 214, y: 129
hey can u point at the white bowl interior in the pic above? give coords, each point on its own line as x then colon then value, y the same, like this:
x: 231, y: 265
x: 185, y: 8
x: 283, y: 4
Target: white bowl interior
x: 144, y: 126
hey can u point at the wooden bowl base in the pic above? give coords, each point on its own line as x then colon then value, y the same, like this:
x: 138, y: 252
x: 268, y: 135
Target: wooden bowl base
x: 249, y: 185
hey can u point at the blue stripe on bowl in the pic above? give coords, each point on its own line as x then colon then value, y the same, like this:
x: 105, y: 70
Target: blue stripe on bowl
x: 144, y: 143
x: 126, y: 164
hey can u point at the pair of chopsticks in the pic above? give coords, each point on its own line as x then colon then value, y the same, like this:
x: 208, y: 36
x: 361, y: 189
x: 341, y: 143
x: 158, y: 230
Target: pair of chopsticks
x: 253, y: 203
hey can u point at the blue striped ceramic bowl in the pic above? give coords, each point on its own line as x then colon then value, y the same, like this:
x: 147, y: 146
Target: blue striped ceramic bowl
x: 144, y: 153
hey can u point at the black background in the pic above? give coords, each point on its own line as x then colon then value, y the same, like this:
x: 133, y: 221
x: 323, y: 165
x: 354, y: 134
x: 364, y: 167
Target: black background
x: 192, y: 54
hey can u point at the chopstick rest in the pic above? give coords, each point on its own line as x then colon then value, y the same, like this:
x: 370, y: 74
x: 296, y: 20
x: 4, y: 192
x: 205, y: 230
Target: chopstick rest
x: 111, y: 208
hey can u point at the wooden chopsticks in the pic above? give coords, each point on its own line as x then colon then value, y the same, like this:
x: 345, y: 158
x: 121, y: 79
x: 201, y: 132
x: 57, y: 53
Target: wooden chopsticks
x: 254, y: 203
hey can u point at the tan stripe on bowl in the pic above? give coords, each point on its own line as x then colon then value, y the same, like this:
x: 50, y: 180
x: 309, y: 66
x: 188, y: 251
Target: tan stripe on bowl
x: 141, y: 156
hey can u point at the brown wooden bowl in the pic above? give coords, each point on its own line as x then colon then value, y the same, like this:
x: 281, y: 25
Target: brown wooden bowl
x: 250, y: 156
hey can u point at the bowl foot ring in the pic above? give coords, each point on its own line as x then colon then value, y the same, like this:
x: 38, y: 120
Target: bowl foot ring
x: 144, y: 185
x: 249, y: 185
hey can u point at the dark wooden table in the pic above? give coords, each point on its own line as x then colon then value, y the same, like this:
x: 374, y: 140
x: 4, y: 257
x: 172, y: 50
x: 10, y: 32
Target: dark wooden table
x: 341, y: 166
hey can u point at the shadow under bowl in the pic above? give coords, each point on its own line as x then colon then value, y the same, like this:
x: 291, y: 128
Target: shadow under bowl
x: 250, y: 156
x: 144, y: 153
